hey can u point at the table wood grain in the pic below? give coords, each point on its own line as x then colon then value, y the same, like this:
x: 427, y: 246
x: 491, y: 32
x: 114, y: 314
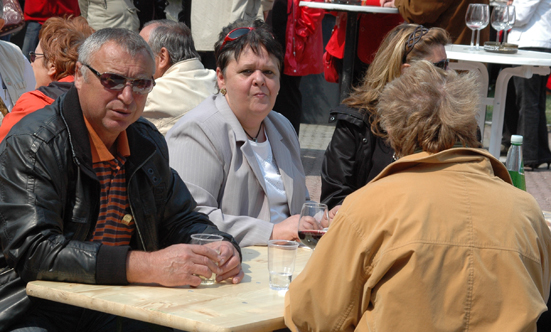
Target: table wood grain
x: 248, y: 306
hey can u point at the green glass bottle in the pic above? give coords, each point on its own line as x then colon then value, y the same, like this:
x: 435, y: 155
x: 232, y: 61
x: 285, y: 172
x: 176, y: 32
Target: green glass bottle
x: 515, y: 163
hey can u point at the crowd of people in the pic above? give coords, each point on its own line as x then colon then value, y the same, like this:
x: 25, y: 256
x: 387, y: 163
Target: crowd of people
x: 121, y: 139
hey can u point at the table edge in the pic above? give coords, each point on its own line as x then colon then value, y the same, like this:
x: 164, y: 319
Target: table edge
x: 349, y: 8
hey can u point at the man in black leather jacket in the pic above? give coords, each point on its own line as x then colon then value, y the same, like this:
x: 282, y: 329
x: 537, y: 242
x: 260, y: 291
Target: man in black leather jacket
x: 50, y: 195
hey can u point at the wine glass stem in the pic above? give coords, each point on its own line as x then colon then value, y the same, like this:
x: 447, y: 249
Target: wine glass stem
x: 477, y: 38
x: 472, y: 39
x: 504, y: 36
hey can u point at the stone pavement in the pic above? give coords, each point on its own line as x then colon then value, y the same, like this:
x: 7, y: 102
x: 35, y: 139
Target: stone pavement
x: 314, y: 139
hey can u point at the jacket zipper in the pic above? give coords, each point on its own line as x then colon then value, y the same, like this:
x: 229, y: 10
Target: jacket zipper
x: 130, y: 202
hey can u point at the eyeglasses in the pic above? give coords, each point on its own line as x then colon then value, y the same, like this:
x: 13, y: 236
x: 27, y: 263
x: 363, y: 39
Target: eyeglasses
x: 236, y: 34
x: 443, y: 64
x: 32, y: 55
x: 118, y: 82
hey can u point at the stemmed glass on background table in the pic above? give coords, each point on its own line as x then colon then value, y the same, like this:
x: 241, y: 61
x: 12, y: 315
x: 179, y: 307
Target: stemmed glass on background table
x: 477, y: 18
x: 313, y: 223
x: 503, y: 18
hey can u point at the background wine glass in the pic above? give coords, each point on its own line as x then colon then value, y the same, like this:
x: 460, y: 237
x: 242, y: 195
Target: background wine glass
x: 500, y: 18
x: 511, y: 19
x: 313, y: 223
x: 477, y: 18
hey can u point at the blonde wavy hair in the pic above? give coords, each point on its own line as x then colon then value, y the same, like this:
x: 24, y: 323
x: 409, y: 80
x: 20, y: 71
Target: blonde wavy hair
x: 429, y: 109
x: 387, y: 64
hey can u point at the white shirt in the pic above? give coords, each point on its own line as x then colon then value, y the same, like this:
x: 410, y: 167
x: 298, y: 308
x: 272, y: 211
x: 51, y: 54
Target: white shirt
x: 275, y: 190
x: 533, y: 24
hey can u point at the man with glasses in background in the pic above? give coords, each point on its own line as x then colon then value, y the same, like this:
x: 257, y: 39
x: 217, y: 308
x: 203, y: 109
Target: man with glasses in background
x: 89, y: 197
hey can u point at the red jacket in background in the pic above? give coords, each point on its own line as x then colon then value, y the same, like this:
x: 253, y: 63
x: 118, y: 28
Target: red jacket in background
x: 41, y: 10
x: 373, y: 29
x: 304, y: 49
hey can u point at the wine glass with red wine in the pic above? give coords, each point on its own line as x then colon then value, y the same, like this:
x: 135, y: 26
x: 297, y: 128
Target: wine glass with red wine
x: 313, y: 223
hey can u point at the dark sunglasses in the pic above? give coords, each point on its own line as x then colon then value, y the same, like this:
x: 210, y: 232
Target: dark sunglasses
x: 118, y: 82
x: 236, y: 34
x: 32, y: 55
x: 442, y: 64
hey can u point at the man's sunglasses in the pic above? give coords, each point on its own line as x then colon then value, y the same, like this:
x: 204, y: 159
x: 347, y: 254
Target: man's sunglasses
x: 32, y: 55
x: 442, y: 64
x: 235, y: 34
x: 117, y: 82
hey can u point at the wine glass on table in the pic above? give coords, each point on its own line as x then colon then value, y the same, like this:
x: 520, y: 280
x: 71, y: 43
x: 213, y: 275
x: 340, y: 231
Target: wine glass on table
x: 500, y: 19
x: 477, y: 18
x: 313, y: 223
x: 511, y: 18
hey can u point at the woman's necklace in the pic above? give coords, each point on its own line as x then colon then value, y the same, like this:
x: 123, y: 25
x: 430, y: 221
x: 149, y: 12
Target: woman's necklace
x: 255, y: 139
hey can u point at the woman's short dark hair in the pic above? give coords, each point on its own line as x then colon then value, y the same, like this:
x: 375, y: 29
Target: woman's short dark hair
x: 260, y: 37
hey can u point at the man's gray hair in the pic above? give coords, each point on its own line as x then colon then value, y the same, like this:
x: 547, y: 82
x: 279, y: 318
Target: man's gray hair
x: 128, y: 40
x: 175, y: 37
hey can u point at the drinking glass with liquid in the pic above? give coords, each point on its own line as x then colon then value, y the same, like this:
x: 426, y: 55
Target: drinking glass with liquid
x: 211, y: 241
x: 281, y: 263
x: 313, y: 223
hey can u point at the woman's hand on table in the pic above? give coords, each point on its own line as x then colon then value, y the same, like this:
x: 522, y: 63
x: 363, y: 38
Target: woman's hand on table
x: 333, y: 213
x: 288, y: 228
x: 387, y: 3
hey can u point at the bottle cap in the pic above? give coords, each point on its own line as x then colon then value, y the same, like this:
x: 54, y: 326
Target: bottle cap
x: 516, y: 139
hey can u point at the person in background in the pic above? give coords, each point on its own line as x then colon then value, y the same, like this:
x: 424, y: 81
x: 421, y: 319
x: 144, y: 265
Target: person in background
x: 532, y: 32
x: 181, y: 80
x: 298, y: 30
x: 54, y: 63
x: 440, y: 240
x: 110, y: 14
x: 149, y: 10
x: 207, y: 18
x: 239, y: 159
x: 357, y: 153
x: 447, y: 14
x: 16, y: 75
x: 36, y: 12
x: 89, y: 197
x: 372, y: 28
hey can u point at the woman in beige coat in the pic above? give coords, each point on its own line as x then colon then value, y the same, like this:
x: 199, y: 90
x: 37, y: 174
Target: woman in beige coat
x: 440, y: 240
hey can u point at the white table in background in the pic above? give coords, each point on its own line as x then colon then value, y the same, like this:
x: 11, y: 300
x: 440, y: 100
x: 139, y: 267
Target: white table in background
x: 352, y: 11
x: 248, y: 306
x: 528, y: 63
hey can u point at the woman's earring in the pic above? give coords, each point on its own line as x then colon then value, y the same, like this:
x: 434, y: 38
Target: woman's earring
x: 223, y: 91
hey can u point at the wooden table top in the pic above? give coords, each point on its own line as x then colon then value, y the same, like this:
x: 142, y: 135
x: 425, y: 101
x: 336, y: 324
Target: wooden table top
x: 248, y: 306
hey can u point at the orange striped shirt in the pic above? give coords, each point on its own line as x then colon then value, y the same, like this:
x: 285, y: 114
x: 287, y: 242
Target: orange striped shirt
x: 115, y: 225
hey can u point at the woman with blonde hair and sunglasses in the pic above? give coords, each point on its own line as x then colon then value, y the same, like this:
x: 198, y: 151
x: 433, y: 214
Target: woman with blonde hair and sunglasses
x: 357, y: 151
x: 53, y: 63
x: 239, y: 159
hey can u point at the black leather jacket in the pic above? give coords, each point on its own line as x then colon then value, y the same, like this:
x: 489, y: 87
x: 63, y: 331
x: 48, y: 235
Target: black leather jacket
x: 49, y: 203
x: 353, y: 158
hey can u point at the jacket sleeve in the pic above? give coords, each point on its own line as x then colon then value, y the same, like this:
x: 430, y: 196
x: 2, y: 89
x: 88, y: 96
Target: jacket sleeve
x: 181, y: 220
x: 307, y: 22
x: 338, y: 179
x: 422, y: 11
x: 32, y: 211
x: 330, y: 294
x: 525, y: 10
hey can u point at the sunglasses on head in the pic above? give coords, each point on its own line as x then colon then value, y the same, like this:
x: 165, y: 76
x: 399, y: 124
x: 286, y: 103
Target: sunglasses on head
x: 443, y: 64
x: 236, y: 34
x: 118, y: 82
x: 32, y: 55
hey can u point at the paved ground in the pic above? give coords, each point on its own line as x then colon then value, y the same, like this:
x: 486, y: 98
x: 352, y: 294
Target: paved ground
x: 315, y: 138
